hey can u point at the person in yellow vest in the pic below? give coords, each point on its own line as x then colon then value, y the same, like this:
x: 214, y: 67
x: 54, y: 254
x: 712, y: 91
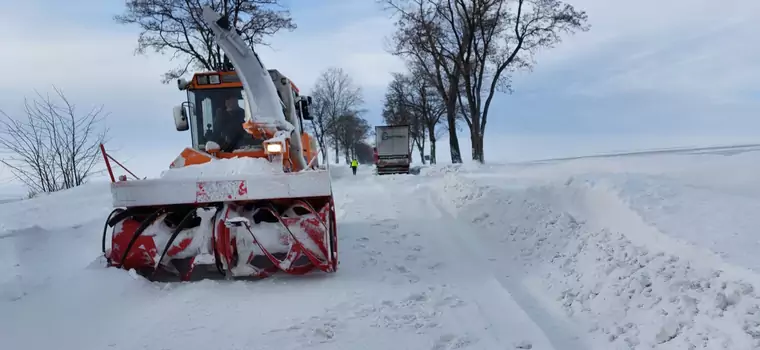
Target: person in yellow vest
x: 354, y: 164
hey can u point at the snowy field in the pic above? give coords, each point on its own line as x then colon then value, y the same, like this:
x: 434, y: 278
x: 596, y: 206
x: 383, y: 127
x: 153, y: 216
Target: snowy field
x: 653, y: 251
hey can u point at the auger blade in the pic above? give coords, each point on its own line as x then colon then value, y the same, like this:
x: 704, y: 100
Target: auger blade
x: 231, y: 240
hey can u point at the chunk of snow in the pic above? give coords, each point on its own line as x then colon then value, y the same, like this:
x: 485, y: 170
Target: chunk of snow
x: 212, y: 146
x: 280, y: 136
x: 237, y: 221
x: 667, y: 332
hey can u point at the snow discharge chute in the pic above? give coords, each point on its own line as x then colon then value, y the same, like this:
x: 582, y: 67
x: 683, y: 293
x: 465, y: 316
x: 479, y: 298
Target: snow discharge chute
x: 248, y: 199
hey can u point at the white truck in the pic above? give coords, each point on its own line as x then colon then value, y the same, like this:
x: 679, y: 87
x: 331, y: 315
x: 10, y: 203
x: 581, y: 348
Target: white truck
x: 393, y: 151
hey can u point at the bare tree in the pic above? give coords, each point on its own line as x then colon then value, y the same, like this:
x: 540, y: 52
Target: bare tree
x: 467, y: 48
x: 412, y: 100
x: 503, y: 39
x: 334, y: 95
x: 176, y: 26
x: 400, y: 108
x: 430, y: 108
x: 53, y: 147
x: 428, y: 37
x: 351, y: 131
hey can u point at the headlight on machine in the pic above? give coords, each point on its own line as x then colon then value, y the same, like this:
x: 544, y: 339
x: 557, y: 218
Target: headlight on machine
x: 274, y: 148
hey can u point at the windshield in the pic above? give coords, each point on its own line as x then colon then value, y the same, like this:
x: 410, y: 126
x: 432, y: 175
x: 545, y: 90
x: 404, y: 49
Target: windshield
x: 218, y: 115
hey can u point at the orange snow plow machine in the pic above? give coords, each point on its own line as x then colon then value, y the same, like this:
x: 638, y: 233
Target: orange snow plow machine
x: 239, y: 225
x: 203, y: 222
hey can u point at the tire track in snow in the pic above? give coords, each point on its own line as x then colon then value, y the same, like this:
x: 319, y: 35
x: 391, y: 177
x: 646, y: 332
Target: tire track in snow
x: 560, y: 332
x: 382, y: 246
x: 409, y: 238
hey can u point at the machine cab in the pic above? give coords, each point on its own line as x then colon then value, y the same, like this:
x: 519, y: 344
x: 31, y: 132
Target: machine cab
x: 216, y: 107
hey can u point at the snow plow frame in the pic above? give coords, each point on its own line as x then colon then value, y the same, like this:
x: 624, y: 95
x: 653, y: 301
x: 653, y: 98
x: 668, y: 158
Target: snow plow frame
x: 140, y: 251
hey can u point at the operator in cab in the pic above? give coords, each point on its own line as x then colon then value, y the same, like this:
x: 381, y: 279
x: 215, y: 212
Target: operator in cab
x: 228, y: 129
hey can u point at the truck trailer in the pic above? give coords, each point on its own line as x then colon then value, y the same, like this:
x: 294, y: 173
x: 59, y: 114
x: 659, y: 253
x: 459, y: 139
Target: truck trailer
x: 393, y: 151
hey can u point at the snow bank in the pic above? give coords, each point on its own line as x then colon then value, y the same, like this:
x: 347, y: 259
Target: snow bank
x: 440, y: 169
x: 706, y: 199
x: 44, y: 238
x: 721, y: 220
x: 223, y: 168
x: 53, y: 211
x: 581, y: 249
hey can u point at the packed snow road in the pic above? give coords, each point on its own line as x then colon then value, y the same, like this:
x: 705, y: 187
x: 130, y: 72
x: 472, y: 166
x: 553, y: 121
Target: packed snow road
x: 401, y: 235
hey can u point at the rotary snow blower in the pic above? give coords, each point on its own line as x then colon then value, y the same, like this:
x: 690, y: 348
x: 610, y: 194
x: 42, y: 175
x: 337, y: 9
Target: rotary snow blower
x: 274, y: 212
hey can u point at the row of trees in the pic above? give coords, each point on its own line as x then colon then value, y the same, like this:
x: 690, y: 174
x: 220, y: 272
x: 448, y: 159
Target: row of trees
x: 412, y: 101
x: 459, y: 54
x: 337, y: 109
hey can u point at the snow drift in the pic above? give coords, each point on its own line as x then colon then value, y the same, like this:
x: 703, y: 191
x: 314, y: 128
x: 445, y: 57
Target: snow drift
x: 626, y: 246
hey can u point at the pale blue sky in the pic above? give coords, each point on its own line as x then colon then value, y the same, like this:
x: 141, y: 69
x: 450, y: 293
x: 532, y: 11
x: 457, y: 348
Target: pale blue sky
x: 649, y: 74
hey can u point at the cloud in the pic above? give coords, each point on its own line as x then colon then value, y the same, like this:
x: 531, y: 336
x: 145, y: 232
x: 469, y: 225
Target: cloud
x: 85, y: 59
x: 701, y: 49
x: 356, y: 46
x: 93, y: 66
x: 662, y: 73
